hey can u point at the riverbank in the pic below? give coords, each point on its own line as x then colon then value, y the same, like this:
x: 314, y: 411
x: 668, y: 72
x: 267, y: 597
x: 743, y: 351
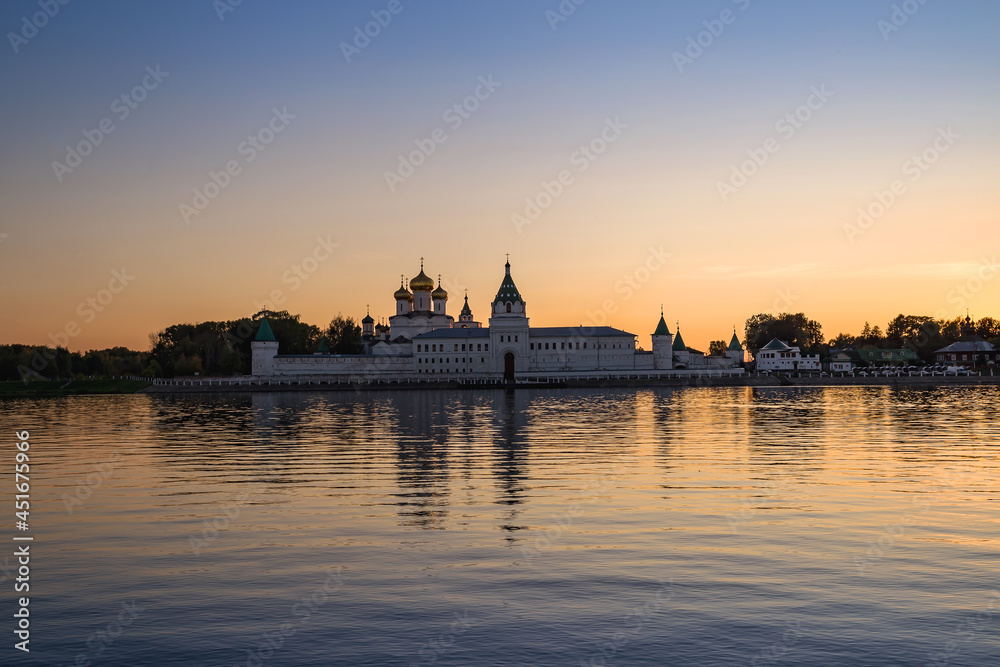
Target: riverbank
x: 287, y: 385
x: 55, y: 388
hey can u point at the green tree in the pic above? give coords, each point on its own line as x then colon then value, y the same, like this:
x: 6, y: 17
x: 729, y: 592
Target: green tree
x: 344, y: 336
x: 717, y: 348
x: 988, y: 328
x: 795, y: 329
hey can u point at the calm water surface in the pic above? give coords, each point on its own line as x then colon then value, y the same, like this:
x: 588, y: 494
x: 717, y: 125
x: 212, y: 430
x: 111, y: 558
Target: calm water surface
x: 799, y: 526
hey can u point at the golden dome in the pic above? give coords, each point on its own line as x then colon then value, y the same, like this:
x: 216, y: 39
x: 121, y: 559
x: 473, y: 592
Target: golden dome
x: 423, y: 282
x: 439, y: 294
x: 401, y: 293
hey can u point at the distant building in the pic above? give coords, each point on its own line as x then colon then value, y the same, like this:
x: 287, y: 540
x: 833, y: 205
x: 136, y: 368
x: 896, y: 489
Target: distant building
x: 970, y: 351
x: 779, y: 356
x: 845, y: 361
x: 890, y: 357
x: 423, y: 340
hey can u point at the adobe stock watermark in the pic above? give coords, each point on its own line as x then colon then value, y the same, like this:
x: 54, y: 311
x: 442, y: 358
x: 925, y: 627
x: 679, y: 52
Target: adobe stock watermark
x: 88, y: 309
x: 248, y: 149
x: 628, y: 285
x: 899, y: 17
x: 965, y: 631
x: 300, y: 613
x: 223, y: 7
x: 432, y: 649
x: 122, y: 107
x: 363, y: 35
x: 964, y: 292
x: 100, y: 641
x: 634, y: 622
x: 454, y: 116
x: 37, y: 21
x: 714, y: 28
x: 776, y: 652
x: 786, y: 127
x: 915, y: 167
x: 581, y: 158
x: 562, y: 13
x: 299, y: 272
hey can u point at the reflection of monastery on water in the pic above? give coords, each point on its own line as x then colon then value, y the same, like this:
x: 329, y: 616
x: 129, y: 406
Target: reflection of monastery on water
x: 423, y: 342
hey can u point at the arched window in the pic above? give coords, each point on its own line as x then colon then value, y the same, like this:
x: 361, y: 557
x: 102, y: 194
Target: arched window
x: 508, y: 306
x: 515, y: 338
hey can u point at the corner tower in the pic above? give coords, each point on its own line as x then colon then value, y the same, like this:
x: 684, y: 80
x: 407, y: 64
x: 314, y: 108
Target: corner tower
x: 663, y: 341
x: 263, y: 349
x: 735, y: 350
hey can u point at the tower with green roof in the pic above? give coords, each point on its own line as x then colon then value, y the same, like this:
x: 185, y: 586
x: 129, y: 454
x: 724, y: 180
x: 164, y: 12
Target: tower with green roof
x: 663, y: 352
x: 508, y: 329
x: 735, y: 350
x: 263, y: 349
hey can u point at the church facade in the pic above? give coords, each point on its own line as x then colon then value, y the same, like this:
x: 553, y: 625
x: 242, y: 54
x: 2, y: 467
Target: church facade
x: 423, y: 342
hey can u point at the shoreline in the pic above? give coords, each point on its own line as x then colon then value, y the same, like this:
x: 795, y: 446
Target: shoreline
x: 732, y: 381
x: 58, y: 389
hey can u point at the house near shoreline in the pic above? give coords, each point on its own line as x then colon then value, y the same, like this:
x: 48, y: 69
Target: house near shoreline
x: 778, y: 355
x: 423, y: 342
x: 969, y: 351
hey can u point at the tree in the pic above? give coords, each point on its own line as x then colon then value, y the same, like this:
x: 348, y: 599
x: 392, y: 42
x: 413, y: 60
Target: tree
x: 794, y: 329
x: 907, y: 331
x: 717, y: 348
x: 988, y: 328
x: 843, y: 341
x: 344, y: 336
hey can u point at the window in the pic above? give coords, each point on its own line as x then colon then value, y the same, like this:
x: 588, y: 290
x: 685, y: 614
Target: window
x: 531, y: 346
x: 546, y: 346
x: 562, y: 346
x: 486, y: 347
x: 456, y: 347
x: 578, y: 345
x: 515, y: 338
x: 463, y: 347
x: 508, y: 307
x: 482, y: 360
x: 479, y: 347
x: 585, y: 345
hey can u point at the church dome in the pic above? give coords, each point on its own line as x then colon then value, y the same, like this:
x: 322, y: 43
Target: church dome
x: 439, y: 294
x: 402, y: 294
x: 423, y: 282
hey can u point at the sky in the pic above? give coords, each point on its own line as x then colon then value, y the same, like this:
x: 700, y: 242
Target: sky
x: 195, y: 160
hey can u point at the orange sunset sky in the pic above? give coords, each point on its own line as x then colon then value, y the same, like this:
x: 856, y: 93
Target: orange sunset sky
x: 719, y: 185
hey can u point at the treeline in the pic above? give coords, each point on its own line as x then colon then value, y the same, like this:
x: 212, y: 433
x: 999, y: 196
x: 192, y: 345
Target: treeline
x: 25, y: 362
x: 920, y: 333
x: 206, y: 348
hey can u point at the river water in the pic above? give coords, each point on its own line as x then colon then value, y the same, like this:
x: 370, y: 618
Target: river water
x: 695, y: 526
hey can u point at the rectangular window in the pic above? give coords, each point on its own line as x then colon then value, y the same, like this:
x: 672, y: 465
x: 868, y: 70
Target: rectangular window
x: 486, y: 347
x: 578, y: 346
x: 515, y: 339
x: 562, y: 346
x: 585, y: 346
x: 479, y: 347
x: 463, y: 347
x: 531, y: 346
x: 456, y: 347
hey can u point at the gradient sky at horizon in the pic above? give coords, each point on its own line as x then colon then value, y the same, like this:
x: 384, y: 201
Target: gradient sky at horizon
x: 778, y: 243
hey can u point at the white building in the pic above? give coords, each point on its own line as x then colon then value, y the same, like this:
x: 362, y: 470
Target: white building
x: 779, y: 356
x: 423, y: 340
